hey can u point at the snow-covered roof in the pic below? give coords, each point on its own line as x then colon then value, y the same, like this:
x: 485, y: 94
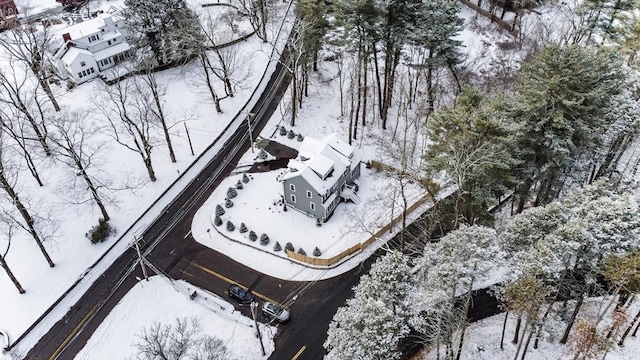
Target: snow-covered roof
x: 320, y: 162
x: 88, y: 27
x: 339, y: 145
x: 111, y: 51
x: 321, y: 165
x: 72, y: 53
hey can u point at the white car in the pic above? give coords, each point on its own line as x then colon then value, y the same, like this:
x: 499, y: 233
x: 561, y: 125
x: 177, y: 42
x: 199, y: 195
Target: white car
x: 275, y: 312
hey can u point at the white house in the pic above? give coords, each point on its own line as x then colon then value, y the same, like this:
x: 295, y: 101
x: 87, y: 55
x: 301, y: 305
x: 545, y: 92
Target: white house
x: 90, y: 47
x: 325, y: 173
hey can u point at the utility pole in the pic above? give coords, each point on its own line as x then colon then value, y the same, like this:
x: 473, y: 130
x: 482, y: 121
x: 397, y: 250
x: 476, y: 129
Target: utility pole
x: 254, y: 306
x: 249, y: 115
x: 144, y: 268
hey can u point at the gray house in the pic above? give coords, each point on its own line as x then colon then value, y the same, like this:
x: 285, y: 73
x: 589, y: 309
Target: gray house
x: 325, y: 173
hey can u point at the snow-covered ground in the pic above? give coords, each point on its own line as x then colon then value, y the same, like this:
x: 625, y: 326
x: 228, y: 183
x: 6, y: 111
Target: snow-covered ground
x: 159, y: 300
x: 482, y: 339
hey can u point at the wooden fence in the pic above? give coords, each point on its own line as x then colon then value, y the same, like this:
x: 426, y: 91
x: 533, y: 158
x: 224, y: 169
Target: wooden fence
x: 328, y: 262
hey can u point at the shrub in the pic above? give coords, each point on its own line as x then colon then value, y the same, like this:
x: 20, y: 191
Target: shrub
x: 283, y: 131
x: 291, y: 134
x: 300, y: 137
x: 217, y: 221
x: 231, y: 193
x: 301, y: 252
x: 228, y: 203
x: 239, y: 185
x: 100, y: 232
x: 289, y: 246
x: 253, y: 236
x: 219, y: 210
x: 245, y: 178
x: 317, y: 252
x: 264, y: 239
x: 230, y: 226
x: 262, y: 154
x: 243, y: 228
x: 277, y: 247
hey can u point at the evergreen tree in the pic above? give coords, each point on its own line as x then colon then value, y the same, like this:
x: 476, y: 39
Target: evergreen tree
x: 373, y: 322
x: 564, y: 93
x: 164, y: 27
x: 447, y: 272
x: 471, y: 145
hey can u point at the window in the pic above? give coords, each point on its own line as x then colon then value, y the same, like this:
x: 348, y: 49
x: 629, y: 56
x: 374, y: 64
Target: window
x: 92, y: 70
x: 109, y: 42
x: 293, y: 198
x: 309, y: 194
x: 79, y: 74
x: 312, y: 205
x: 84, y: 72
x: 292, y: 188
x: 82, y: 63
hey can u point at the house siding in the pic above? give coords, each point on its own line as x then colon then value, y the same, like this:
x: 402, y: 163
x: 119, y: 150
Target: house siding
x: 303, y: 203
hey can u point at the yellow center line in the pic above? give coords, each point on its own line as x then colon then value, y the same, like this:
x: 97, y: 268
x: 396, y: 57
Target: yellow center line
x: 73, y: 332
x: 224, y: 278
x: 297, y: 355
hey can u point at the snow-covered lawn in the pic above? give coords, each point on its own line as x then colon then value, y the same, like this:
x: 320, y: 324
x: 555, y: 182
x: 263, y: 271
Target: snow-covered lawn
x: 160, y: 301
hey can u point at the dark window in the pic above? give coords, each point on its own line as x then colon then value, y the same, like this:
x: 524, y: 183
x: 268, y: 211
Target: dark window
x: 292, y: 187
x: 92, y: 70
x: 312, y: 205
x: 109, y: 42
x: 79, y: 74
x: 293, y: 198
x: 82, y: 63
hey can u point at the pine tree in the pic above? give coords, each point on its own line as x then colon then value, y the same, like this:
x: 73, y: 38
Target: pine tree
x: 165, y: 27
x: 447, y: 272
x: 373, y: 322
x: 471, y: 144
x: 564, y: 93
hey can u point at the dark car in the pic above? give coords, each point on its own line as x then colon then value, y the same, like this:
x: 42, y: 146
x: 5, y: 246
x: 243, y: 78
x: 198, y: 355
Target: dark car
x: 241, y: 295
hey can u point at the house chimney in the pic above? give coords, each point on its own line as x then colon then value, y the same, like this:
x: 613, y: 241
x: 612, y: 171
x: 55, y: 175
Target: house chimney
x: 66, y: 37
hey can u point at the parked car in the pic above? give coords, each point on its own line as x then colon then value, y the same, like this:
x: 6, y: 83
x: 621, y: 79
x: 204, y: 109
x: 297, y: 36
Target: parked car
x: 274, y: 311
x: 241, y: 295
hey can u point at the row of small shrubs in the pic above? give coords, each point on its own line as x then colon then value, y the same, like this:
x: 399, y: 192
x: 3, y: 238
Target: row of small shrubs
x: 290, y: 134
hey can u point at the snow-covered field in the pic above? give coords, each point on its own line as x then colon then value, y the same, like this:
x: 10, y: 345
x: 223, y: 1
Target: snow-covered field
x: 159, y: 300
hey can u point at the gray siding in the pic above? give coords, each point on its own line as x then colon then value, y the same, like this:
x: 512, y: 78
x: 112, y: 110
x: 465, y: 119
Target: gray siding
x: 303, y: 202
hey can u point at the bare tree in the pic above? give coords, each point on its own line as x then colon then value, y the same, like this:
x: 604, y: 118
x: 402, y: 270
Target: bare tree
x: 230, y: 66
x: 28, y: 43
x: 17, y: 130
x: 258, y: 12
x: 149, y: 87
x: 7, y: 186
x: 182, y: 340
x: 8, y: 228
x: 129, y: 116
x: 20, y: 94
x: 77, y: 149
